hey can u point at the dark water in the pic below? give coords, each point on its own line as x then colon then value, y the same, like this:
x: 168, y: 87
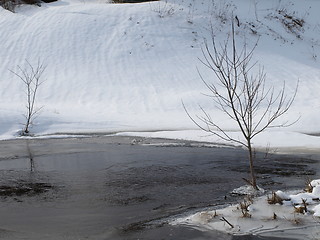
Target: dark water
x: 98, y: 189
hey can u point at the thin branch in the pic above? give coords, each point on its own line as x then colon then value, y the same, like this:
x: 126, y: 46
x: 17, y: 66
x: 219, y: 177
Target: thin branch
x: 241, y: 95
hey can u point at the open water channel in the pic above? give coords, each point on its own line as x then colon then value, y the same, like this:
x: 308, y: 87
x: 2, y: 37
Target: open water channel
x: 108, y: 188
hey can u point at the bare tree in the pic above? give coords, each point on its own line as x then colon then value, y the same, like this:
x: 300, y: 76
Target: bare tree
x: 31, y: 77
x: 241, y: 95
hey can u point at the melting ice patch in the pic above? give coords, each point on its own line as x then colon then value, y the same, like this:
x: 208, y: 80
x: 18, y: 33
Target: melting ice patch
x: 296, y: 215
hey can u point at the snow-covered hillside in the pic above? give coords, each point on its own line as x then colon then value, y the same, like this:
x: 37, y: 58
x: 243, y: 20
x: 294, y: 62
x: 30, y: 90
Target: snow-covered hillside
x: 128, y: 67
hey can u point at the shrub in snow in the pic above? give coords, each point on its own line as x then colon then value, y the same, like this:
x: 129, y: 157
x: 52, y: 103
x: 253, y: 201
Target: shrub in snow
x: 301, y: 208
x: 282, y: 195
x: 309, y: 186
x: 31, y: 77
x: 163, y: 8
x: 291, y: 22
x: 277, y: 198
x: 244, y: 207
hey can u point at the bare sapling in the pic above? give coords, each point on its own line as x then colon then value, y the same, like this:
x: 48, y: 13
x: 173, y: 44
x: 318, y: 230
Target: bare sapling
x: 242, y: 95
x: 31, y: 77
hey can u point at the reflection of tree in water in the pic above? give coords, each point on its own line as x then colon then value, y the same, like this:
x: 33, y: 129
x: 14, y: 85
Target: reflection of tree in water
x: 31, y: 157
x: 24, y: 183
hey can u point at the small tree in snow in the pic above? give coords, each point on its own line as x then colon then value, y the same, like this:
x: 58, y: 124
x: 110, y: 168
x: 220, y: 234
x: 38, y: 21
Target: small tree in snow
x: 31, y: 77
x: 241, y: 95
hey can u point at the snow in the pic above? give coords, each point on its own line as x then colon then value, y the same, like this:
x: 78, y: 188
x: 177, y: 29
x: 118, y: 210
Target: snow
x: 247, y: 190
x: 125, y: 69
x: 265, y: 219
x: 128, y: 67
x: 282, y: 194
x: 315, y: 183
x: 316, y: 210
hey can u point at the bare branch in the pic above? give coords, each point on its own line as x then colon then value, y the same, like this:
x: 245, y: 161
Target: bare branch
x: 240, y: 94
x: 31, y: 77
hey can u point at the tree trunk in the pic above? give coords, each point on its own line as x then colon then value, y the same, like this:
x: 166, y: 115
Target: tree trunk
x: 26, y: 129
x: 253, y: 177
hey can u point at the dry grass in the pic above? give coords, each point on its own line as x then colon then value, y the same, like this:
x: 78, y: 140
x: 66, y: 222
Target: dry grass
x: 308, y: 188
x: 290, y: 21
x: 244, y: 207
x: 275, y: 199
x: 301, y: 209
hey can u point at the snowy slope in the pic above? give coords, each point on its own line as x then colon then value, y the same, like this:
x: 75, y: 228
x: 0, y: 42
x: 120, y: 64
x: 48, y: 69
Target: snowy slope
x: 127, y: 67
x: 115, y: 64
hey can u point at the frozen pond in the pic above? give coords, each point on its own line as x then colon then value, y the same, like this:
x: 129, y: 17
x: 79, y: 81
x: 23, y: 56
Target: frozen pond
x: 107, y: 188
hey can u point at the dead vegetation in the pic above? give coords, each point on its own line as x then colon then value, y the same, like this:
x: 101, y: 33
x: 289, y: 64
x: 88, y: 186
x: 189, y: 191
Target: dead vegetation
x: 290, y: 21
x: 275, y: 199
x: 301, y: 208
x: 308, y: 187
x: 244, y: 207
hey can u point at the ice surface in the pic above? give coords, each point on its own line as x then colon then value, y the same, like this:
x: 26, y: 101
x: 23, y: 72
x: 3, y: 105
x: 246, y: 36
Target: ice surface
x: 265, y: 219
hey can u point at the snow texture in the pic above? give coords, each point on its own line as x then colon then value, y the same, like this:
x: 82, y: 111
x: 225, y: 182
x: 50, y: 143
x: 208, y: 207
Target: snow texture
x: 288, y: 219
x: 128, y: 67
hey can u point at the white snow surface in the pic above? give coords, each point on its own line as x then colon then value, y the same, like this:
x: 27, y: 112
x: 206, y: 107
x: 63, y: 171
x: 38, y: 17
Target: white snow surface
x: 264, y: 219
x: 128, y: 67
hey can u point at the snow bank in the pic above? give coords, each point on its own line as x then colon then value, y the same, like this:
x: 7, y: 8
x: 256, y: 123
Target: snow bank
x: 127, y: 67
x: 273, y: 141
x: 296, y: 216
